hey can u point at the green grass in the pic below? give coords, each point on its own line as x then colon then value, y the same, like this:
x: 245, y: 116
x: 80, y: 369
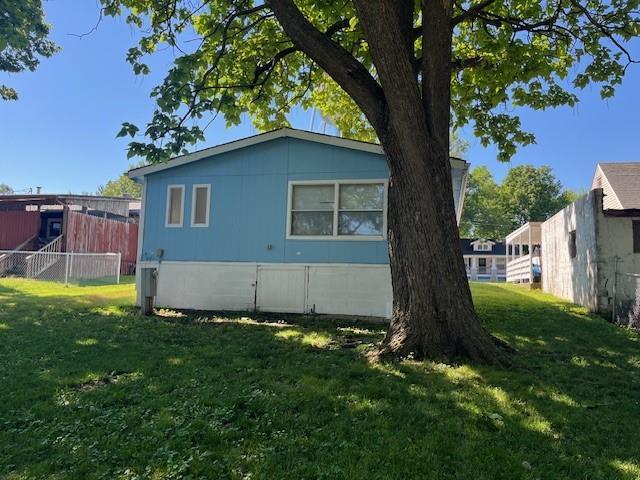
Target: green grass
x: 89, y: 389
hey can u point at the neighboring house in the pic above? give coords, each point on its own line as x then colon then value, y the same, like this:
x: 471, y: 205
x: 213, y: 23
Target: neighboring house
x: 69, y: 223
x: 523, y: 254
x: 590, y: 250
x: 485, y: 259
x: 285, y: 221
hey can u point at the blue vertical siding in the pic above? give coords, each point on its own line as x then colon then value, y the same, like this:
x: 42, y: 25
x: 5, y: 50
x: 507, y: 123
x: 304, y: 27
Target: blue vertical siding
x: 248, y: 214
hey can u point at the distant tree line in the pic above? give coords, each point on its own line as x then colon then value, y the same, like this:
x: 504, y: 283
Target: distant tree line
x: 493, y: 210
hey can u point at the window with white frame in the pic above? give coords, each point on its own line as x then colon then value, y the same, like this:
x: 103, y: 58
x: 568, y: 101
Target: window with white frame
x: 200, y: 205
x: 340, y: 209
x: 175, y: 205
x: 483, y: 247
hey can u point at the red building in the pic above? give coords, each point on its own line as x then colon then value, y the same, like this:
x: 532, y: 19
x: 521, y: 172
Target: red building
x: 70, y: 223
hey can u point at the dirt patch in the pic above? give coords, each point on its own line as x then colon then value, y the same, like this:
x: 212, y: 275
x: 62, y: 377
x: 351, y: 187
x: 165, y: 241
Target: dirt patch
x: 113, y: 377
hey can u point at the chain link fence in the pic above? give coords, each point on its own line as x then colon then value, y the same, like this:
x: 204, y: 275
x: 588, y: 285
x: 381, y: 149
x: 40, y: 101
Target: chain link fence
x: 61, y: 267
x: 626, y: 300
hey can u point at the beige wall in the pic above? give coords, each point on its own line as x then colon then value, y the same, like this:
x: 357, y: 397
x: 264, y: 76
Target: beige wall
x: 574, y: 279
x: 588, y: 278
x: 615, y: 239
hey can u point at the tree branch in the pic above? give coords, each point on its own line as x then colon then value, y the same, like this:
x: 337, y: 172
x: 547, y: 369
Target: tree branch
x: 348, y: 72
x: 471, y: 13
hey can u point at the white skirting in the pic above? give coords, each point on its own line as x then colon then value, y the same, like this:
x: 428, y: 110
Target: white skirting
x: 338, y: 289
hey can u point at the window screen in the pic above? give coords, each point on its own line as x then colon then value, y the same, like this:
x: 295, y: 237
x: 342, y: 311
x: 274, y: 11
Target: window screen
x: 200, y: 205
x: 636, y: 236
x: 361, y: 210
x: 174, y: 210
x: 312, y: 209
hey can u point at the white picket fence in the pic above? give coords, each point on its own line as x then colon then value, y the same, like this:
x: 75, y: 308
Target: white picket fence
x: 64, y: 267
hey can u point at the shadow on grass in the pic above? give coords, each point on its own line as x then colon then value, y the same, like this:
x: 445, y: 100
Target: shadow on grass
x: 280, y: 397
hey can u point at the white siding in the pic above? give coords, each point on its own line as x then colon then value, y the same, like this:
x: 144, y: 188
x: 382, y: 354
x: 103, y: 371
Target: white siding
x: 334, y: 289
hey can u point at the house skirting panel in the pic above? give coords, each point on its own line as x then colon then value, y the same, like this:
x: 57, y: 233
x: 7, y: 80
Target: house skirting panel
x: 334, y: 289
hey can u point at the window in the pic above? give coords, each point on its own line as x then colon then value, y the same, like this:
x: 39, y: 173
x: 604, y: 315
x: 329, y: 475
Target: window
x: 175, y: 202
x: 636, y: 236
x: 482, y: 247
x: 312, y: 210
x: 200, y: 203
x: 573, y: 251
x: 343, y: 209
x: 482, y: 265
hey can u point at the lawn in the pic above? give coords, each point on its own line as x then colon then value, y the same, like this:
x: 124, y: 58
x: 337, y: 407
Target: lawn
x: 89, y: 389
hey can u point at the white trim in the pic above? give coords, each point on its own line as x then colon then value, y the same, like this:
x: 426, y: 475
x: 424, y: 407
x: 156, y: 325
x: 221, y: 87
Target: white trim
x: 140, y: 240
x: 464, y: 166
x: 336, y: 209
x: 193, y: 204
x: 154, y: 263
x: 520, y: 230
x: 266, y: 137
x: 168, y: 202
x: 254, y: 140
x: 608, y: 184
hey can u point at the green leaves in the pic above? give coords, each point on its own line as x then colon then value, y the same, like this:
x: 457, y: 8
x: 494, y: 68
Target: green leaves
x: 127, y: 129
x: 121, y: 187
x: 233, y: 57
x: 23, y: 39
x: 526, y: 194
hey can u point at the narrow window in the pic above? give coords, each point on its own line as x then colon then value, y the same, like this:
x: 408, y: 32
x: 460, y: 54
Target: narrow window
x: 312, y: 209
x: 361, y: 209
x: 636, y: 236
x: 200, y: 204
x: 572, y: 244
x: 175, y: 201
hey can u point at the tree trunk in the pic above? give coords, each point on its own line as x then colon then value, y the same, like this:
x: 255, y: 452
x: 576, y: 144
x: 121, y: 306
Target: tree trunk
x: 433, y: 313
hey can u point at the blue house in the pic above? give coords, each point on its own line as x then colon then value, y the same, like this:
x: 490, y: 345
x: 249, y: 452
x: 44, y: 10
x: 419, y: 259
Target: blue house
x: 284, y: 221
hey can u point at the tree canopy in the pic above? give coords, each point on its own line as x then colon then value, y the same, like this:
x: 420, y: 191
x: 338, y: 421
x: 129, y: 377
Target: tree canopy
x: 233, y: 56
x: 23, y: 39
x: 121, y: 187
x: 5, y: 189
x: 399, y: 71
x: 527, y: 193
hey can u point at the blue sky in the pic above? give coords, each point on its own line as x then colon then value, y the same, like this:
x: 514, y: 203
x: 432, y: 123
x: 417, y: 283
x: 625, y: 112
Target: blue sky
x: 61, y: 133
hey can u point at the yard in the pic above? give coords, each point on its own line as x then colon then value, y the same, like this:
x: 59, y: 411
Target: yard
x: 89, y: 389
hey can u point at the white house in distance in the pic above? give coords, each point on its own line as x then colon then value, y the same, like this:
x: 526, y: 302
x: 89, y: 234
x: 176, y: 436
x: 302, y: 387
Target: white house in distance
x: 590, y: 250
x: 484, y: 258
x: 284, y: 221
x: 523, y: 253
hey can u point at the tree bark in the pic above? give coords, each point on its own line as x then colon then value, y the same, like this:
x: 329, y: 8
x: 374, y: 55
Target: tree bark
x: 433, y: 313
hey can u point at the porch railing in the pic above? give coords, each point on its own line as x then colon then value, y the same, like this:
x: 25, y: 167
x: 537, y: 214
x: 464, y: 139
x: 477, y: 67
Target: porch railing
x: 44, y: 258
x: 9, y: 260
x: 519, y: 269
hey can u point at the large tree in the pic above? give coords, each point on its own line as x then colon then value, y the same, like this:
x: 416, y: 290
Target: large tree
x: 5, y: 189
x: 23, y: 39
x: 121, y: 187
x: 405, y: 66
x: 483, y: 215
x: 527, y: 193
x: 532, y: 194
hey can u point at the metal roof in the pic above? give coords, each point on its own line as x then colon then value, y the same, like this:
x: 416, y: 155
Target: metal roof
x: 115, y: 205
